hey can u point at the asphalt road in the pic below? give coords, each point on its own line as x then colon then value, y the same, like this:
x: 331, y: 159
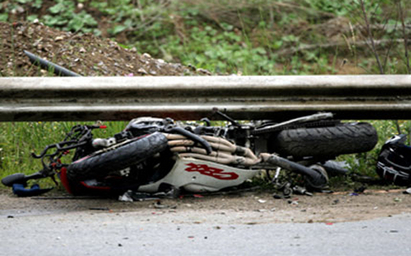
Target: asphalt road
x: 101, y: 232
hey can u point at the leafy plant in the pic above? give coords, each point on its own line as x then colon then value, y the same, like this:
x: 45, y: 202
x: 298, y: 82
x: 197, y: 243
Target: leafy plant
x: 63, y: 15
x: 4, y: 17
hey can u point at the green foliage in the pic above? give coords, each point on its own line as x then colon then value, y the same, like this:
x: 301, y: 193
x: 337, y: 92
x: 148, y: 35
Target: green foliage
x: 232, y: 36
x: 336, y: 7
x: 220, y: 52
x: 63, y: 14
x: 4, y: 17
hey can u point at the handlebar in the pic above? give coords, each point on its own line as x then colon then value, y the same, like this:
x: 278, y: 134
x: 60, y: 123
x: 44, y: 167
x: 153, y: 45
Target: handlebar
x: 20, y: 178
x: 79, y: 135
x: 59, y: 147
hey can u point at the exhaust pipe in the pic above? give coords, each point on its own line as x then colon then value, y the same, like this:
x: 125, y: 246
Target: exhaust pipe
x: 315, y: 178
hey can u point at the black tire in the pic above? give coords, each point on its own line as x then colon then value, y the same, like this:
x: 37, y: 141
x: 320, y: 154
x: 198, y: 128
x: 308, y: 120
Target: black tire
x: 324, y: 142
x: 99, y: 165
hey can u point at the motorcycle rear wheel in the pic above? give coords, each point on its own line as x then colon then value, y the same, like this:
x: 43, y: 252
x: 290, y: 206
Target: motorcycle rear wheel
x: 99, y: 165
x: 325, y: 142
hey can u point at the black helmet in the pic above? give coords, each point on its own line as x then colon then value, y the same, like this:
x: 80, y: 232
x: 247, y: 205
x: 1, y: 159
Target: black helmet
x: 394, y: 161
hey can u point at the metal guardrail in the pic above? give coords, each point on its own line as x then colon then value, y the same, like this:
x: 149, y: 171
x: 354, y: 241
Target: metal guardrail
x: 190, y: 98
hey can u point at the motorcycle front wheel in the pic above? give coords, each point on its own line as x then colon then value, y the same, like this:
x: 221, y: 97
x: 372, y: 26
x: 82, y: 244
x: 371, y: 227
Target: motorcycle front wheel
x: 324, y: 142
x: 98, y: 165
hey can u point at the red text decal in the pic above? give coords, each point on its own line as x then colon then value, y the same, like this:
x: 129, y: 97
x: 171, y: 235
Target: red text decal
x: 211, y: 171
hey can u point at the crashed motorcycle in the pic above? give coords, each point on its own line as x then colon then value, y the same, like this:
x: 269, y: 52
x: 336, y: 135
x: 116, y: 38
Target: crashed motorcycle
x: 154, y: 155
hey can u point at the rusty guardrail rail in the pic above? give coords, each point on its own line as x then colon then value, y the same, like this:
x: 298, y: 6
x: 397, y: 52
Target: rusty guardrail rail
x: 189, y: 98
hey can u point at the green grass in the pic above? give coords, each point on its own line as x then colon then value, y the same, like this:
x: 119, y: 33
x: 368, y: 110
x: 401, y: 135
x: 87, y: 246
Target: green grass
x: 19, y: 139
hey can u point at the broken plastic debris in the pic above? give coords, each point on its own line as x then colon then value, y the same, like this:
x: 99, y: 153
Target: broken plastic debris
x: 293, y: 202
x: 126, y: 197
x: 158, y: 205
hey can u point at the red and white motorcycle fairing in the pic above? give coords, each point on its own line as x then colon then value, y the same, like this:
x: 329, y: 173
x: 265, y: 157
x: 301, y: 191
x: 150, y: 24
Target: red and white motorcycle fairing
x: 196, y: 175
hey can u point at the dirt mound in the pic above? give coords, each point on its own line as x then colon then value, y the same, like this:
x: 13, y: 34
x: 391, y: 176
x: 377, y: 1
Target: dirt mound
x: 85, y: 54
